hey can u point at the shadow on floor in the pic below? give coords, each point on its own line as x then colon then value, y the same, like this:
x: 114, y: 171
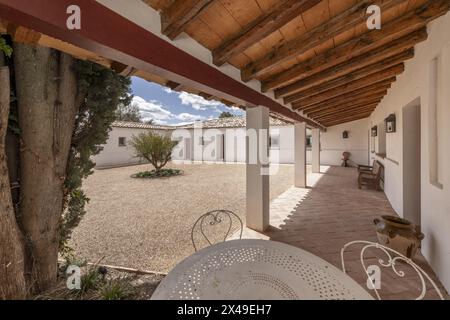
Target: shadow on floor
x: 333, y: 213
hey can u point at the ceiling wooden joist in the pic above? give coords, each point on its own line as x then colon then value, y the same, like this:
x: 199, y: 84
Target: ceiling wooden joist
x: 285, y: 12
x: 177, y: 16
x: 308, y: 86
x: 319, y: 35
x: 312, y: 97
x: 319, y: 56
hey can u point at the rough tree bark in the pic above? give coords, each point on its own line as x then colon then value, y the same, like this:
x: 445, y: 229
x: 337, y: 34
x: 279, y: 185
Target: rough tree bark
x: 46, y: 91
x: 12, y: 278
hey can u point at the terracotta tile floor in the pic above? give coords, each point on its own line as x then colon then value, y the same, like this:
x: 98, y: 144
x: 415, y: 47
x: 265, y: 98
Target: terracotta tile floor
x: 322, y: 219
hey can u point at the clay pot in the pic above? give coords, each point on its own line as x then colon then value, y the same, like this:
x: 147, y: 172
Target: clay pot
x: 398, y: 234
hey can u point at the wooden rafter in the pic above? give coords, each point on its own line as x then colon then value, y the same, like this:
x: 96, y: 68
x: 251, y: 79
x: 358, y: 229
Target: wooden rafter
x: 122, y: 69
x: 350, y: 115
x: 355, y: 109
x: 347, y: 119
x: 286, y: 11
x: 175, y: 86
x: 347, y: 104
x: 374, y: 56
x: 308, y: 89
x: 319, y: 35
x: 179, y: 14
x: 348, y: 87
x: 349, y: 95
x: 392, y: 31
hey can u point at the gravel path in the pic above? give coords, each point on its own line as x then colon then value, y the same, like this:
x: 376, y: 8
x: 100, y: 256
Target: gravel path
x: 146, y: 224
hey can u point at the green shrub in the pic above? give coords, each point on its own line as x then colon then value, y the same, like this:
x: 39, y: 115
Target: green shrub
x: 163, y: 173
x: 117, y: 289
x: 154, y: 147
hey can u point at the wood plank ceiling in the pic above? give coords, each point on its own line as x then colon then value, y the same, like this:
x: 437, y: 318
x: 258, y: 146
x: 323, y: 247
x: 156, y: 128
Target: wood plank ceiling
x: 318, y: 55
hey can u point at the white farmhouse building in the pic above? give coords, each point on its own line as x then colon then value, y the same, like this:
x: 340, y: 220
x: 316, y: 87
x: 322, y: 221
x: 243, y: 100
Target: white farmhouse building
x: 223, y: 140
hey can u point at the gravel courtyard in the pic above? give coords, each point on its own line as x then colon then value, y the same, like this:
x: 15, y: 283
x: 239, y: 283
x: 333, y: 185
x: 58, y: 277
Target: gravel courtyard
x: 146, y: 223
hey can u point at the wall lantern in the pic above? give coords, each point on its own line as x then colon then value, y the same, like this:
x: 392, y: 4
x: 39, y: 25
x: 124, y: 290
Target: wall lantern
x: 374, y: 131
x: 345, y: 134
x: 390, y: 123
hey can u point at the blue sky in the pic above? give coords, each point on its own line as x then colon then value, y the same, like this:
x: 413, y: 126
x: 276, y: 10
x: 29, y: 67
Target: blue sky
x: 165, y: 106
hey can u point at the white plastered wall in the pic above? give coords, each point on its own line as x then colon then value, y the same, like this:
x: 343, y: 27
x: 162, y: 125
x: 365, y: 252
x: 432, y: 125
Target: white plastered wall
x: 114, y: 155
x: 415, y: 84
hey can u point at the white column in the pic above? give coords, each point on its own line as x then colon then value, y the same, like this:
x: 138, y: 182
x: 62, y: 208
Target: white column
x: 300, y: 155
x: 316, y: 150
x: 257, y: 182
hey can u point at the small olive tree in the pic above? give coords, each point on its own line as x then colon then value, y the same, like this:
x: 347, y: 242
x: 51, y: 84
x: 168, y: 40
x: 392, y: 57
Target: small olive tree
x: 154, y: 147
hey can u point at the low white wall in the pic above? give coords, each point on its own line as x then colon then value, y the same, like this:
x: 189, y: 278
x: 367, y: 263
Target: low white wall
x: 115, y: 155
x: 416, y: 84
x: 333, y: 145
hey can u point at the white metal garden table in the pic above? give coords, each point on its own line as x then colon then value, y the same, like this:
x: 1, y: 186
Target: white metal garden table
x: 257, y: 270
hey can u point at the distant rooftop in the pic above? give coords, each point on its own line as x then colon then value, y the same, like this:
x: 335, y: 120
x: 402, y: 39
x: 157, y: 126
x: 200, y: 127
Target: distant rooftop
x: 140, y: 125
x: 232, y: 122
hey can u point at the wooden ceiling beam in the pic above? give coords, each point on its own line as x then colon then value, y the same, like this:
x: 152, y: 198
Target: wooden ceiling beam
x: 350, y: 117
x: 345, y: 120
x: 354, y: 109
x: 259, y: 29
x: 389, y: 73
x: 385, y: 84
x: 175, y: 86
x: 179, y: 14
x: 22, y: 34
x: 315, y: 37
x: 348, y: 98
x: 374, y: 56
x: 309, y: 90
x: 346, y: 106
x: 364, y: 44
x: 206, y: 96
x: 122, y: 69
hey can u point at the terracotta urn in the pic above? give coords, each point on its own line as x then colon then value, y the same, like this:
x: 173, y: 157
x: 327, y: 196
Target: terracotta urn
x: 398, y: 234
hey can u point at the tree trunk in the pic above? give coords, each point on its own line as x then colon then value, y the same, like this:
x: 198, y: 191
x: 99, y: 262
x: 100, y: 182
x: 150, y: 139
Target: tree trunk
x: 46, y: 89
x: 12, y: 278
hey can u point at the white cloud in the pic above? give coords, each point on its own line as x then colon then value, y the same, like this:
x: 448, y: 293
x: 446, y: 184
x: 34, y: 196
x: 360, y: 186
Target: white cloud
x: 197, y: 102
x: 160, y: 114
x: 187, y: 117
x: 152, y: 110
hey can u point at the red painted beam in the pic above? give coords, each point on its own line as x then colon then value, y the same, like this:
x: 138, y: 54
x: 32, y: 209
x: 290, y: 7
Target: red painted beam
x: 112, y: 36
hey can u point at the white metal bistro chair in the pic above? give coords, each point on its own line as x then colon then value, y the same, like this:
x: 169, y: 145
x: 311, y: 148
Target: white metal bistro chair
x: 214, y: 218
x: 391, y: 262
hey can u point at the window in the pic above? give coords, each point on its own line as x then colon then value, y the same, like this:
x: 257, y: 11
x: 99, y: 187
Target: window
x: 274, y: 141
x: 309, y: 141
x: 122, y: 141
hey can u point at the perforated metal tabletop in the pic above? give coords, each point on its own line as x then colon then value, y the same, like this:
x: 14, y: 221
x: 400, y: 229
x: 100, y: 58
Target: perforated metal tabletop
x: 257, y: 270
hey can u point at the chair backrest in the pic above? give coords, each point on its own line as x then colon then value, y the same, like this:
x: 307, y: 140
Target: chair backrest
x: 214, y: 218
x: 393, y: 257
x: 376, y: 167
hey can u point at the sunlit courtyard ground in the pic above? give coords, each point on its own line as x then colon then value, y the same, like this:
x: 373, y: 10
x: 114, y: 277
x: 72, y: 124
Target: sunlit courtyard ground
x: 146, y: 223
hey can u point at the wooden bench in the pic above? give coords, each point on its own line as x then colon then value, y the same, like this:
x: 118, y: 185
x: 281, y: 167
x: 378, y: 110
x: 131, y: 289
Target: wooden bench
x: 371, y: 177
